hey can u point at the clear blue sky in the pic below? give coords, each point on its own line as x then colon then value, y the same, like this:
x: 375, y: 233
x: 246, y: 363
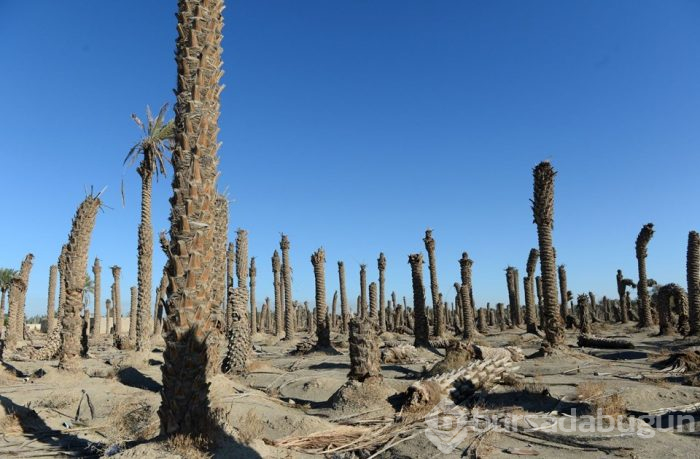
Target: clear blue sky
x: 355, y: 125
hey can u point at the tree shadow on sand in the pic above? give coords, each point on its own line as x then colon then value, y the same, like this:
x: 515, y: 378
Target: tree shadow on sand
x: 132, y: 377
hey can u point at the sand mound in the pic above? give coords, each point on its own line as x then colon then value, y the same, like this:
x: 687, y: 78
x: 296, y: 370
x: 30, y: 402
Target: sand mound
x: 354, y: 397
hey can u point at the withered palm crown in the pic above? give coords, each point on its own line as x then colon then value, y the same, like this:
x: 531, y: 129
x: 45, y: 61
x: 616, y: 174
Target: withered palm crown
x: 543, y: 217
x: 185, y: 402
x: 645, y: 235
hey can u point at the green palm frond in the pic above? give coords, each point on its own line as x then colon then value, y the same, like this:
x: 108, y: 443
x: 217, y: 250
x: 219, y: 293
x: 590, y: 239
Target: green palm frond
x: 156, y: 142
x: 6, y: 275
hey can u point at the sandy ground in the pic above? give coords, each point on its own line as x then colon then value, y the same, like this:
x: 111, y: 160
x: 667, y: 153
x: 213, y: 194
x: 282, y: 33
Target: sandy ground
x: 287, y: 395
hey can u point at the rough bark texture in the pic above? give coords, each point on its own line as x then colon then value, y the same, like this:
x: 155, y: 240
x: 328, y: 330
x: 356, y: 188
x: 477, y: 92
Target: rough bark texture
x: 75, y: 268
x: 18, y: 294
x: 239, y: 344
x: 230, y: 273
x: 109, y: 315
x: 364, y: 351
x: 344, y: 312
x: 563, y: 291
x: 50, y: 304
x: 61, y: 284
x: 465, y: 269
x: 253, y: 307
x: 540, y: 304
x: 421, y: 329
x: 528, y: 282
x: 381, y: 265
x: 334, y: 317
x: 116, y: 300
x: 644, y: 306
x: 673, y: 300
x: 362, y: 312
x: 185, y: 404
x: 97, y: 272
x: 543, y: 213
x: 373, y: 301
x: 276, y: 284
x: 438, y: 320
x: 288, y: 302
x: 693, y: 279
x: 323, y: 332
x: 139, y: 324
x: 512, y: 309
x: 603, y: 343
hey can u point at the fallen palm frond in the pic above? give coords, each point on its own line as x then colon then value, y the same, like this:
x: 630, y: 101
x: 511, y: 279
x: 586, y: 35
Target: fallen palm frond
x: 681, y: 362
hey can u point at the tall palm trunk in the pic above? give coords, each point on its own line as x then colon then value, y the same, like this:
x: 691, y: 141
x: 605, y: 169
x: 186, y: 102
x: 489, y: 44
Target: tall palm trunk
x: 253, y: 307
x: 584, y: 314
x: 18, y: 295
x: 3, y: 295
x: 513, y: 309
x: 693, y: 277
x: 643, y: 239
x: 278, y: 294
x: 230, y: 273
x: 381, y: 265
x: 465, y: 269
x: 239, y: 339
x: 75, y: 268
x: 334, y: 317
x: 61, y: 284
x: 133, y: 313
x: 323, y: 333
x: 563, y: 292
x: 145, y: 260
x: 50, y: 304
x: 363, y: 292
x: 116, y: 299
x: 438, y: 319
x: 543, y: 212
x: 530, y: 310
x: 373, y: 301
x: 185, y: 404
x: 344, y: 313
x: 540, y: 304
x: 287, y: 277
x: 97, y: 273
x: 421, y: 329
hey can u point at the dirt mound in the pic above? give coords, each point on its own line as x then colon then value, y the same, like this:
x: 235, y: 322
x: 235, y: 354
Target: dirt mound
x: 354, y: 397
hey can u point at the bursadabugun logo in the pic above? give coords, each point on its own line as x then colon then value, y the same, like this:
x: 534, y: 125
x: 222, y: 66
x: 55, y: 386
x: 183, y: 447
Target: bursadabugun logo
x: 447, y: 425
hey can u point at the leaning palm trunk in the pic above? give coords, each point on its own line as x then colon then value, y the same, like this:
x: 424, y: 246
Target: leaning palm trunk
x: 323, y: 333
x: 97, y: 272
x: 75, y: 268
x: 278, y: 294
x: 18, y: 294
x: 465, y: 268
x: 543, y: 212
x: 50, y: 319
x: 643, y: 239
x: 693, y: 277
x: 190, y: 305
x: 421, y: 329
x: 438, y: 319
x: 530, y: 309
x: 288, y: 302
x: 381, y: 265
x: 344, y: 313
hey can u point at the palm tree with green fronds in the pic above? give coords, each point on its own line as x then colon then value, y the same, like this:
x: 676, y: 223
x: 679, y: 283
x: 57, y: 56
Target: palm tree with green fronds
x: 152, y: 149
x: 88, y: 289
x: 6, y: 275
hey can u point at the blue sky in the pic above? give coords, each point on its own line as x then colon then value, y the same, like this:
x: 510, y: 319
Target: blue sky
x: 355, y: 125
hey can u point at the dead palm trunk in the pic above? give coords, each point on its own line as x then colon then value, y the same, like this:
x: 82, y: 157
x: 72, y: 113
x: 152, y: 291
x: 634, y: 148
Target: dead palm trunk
x: 344, y: 313
x: 50, y: 319
x: 276, y: 284
x: 584, y: 314
x: 75, y: 267
x: 362, y: 313
x: 543, y: 212
x: 185, y: 404
x: 116, y: 300
x: 373, y: 301
x: 465, y: 268
x: 3, y: 295
x: 109, y: 315
x: 288, y: 302
x: 381, y: 265
x: 530, y: 311
x: 18, y: 295
x: 693, y: 277
x: 513, y: 309
x: 253, y: 307
x: 334, y: 317
x: 239, y: 338
x: 622, y: 285
x: 364, y: 351
x: 563, y: 291
x: 540, y: 304
x: 160, y: 304
x: 133, y: 313
x: 61, y: 284
x: 230, y: 269
x: 421, y: 330
x: 438, y: 319
x: 643, y: 239
x: 323, y: 333
x: 97, y: 272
